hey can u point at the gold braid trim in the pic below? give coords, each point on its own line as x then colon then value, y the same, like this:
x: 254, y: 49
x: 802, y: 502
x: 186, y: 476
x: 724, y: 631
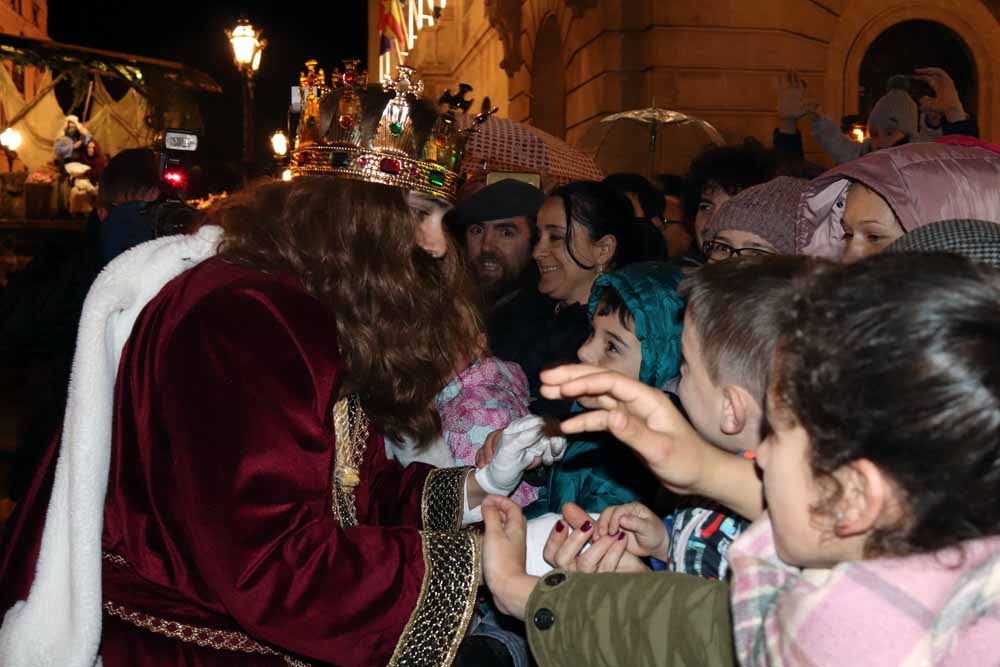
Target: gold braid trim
x: 444, y: 499
x: 350, y: 427
x: 220, y: 640
x: 447, y: 600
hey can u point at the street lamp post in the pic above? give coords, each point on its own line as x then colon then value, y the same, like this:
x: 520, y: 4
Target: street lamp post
x: 247, y: 49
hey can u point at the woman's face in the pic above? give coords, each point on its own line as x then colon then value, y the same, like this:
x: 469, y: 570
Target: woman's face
x: 712, y: 197
x: 429, y: 212
x: 561, y: 277
x: 869, y: 224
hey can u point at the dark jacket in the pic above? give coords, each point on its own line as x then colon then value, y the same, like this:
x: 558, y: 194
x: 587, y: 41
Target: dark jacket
x: 530, y: 331
x: 656, y: 618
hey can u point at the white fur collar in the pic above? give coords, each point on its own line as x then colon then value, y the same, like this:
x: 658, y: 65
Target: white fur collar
x: 60, y: 622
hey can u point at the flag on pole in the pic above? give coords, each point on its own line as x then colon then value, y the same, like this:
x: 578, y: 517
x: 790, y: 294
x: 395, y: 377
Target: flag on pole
x: 390, y: 25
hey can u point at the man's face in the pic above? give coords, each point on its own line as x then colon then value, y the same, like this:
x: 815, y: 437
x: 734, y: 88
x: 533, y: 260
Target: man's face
x: 499, y: 251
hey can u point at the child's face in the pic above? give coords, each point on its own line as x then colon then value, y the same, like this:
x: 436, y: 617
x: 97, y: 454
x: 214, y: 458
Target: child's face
x: 612, y: 346
x: 701, y: 398
x: 725, y: 415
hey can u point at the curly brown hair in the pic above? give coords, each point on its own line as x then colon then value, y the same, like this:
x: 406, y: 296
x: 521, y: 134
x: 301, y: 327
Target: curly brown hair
x: 403, y: 323
x: 894, y: 360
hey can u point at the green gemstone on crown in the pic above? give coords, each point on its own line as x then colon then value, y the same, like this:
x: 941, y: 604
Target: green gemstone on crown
x: 396, y: 129
x: 436, y: 178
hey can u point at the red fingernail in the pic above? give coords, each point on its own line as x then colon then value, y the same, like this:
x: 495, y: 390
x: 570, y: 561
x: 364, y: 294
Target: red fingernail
x: 621, y: 536
x: 560, y: 526
x: 586, y: 526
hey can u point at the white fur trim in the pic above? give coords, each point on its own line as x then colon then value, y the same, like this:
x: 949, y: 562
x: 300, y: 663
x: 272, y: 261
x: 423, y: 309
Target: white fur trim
x: 60, y: 622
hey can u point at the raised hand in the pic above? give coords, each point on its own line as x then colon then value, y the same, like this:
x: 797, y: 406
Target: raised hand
x: 644, y: 418
x: 946, y: 100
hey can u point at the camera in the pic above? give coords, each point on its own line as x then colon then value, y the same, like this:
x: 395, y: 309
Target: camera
x: 919, y: 87
x: 177, y: 151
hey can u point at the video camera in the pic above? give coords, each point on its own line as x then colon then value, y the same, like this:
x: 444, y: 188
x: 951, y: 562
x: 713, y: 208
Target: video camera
x: 177, y: 152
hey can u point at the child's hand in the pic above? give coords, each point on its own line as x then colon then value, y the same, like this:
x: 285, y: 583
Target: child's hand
x: 643, y: 418
x: 640, y: 416
x: 646, y: 534
x: 485, y: 453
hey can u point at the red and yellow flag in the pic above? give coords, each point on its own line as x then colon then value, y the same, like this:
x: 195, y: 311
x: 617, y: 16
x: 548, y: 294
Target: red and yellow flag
x: 390, y: 25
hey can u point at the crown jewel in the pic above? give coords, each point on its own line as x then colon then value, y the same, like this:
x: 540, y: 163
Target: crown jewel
x: 359, y: 135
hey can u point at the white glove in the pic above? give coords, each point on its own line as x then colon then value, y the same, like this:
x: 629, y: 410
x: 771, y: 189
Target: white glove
x: 519, y: 444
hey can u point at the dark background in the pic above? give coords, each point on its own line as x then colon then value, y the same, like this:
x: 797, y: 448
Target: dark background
x: 193, y: 33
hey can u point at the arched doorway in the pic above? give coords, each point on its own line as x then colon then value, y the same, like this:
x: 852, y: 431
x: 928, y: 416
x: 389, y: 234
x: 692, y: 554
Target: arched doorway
x: 548, y: 83
x: 909, y: 45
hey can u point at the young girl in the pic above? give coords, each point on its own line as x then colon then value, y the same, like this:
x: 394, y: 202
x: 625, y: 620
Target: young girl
x: 881, y: 473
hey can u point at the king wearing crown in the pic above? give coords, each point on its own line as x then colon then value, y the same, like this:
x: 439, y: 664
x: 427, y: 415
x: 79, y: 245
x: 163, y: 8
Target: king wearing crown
x: 220, y: 493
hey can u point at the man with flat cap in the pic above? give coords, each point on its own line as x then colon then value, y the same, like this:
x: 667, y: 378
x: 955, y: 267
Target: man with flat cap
x: 498, y: 227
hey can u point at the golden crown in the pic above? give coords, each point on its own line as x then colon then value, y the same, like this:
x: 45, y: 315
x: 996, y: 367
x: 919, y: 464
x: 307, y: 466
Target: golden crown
x: 348, y: 133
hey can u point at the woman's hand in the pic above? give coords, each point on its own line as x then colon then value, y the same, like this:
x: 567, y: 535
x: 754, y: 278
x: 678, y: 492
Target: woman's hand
x: 504, y: 556
x: 646, y: 534
x: 568, y: 549
x: 946, y: 100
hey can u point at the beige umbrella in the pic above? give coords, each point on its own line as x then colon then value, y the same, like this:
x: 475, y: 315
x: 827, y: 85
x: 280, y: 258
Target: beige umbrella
x: 649, y: 141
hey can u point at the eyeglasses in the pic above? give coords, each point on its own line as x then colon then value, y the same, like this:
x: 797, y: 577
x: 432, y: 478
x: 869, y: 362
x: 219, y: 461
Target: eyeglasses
x: 718, y: 251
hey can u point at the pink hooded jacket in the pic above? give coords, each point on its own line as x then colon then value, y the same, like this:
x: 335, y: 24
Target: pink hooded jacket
x: 923, y: 183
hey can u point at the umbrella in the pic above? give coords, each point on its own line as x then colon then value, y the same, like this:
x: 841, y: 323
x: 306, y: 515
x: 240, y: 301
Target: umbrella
x: 648, y: 141
x: 501, y: 144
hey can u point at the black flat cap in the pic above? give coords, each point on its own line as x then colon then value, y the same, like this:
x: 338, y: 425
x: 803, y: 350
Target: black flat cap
x: 504, y: 199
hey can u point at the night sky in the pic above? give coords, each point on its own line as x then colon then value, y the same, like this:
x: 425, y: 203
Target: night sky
x: 193, y: 33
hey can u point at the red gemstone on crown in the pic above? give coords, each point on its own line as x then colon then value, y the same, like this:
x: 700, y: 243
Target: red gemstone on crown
x: 349, y: 78
x: 362, y: 161
x: 414, y: 172
x: 390, y: 166
x: 346, y: 122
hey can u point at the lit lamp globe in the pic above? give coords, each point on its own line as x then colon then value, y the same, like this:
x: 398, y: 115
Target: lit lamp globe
x: 247, y: 45
x: 279, y: 144
x: 10, y: 139
x: 286, y: 175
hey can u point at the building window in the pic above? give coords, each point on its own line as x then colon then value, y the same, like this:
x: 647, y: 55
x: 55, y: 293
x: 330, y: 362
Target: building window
x: 18, y: 76
x: 17, y: 5
x: 36, y: 15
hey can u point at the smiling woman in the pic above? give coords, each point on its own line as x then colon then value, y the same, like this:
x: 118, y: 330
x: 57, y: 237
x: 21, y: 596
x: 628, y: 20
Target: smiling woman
x: 584, y: 229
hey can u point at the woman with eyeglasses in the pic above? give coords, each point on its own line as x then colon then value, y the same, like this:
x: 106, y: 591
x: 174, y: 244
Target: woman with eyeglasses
x: 758, y: 221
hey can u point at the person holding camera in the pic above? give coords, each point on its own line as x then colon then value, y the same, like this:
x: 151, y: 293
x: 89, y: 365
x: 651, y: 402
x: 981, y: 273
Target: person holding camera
x: 895, y: 118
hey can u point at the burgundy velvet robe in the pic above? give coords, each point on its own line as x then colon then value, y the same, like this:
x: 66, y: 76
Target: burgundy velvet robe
x: 218, y: 511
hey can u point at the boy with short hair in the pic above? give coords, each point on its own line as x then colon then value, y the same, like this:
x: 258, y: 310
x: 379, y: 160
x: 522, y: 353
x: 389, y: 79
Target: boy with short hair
x: 731, y: 325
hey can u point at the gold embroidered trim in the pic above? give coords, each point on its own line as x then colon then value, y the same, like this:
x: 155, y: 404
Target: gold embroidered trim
x: 350, y: 427
x: 444, y: 498
x: 447, y: 600
x: 221, y: 640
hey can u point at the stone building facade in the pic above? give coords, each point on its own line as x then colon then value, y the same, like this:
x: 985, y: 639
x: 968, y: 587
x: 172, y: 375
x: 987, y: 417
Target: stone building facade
x: 564, y: 64
x: 24, y: 18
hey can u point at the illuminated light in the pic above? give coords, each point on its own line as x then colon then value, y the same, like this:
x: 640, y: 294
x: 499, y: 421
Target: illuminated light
x: 10, y: 139
x: 247, y: 45
x: 390, y: 166
x: 286, y: 175
x: 858, y: 134
x: 174, y: 178
x: 279, y: 144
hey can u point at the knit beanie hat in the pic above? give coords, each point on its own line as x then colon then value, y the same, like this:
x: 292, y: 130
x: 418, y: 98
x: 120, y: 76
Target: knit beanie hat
x: 978, y: 240
x: 649, y: 291
x: 768, y: 210
x: 896, y: 110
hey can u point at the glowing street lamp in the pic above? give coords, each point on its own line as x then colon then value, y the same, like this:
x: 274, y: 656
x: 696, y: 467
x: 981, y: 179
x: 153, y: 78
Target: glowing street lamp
x: 247, y: 49
x: 10, y: 141
x: 279, y: 144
